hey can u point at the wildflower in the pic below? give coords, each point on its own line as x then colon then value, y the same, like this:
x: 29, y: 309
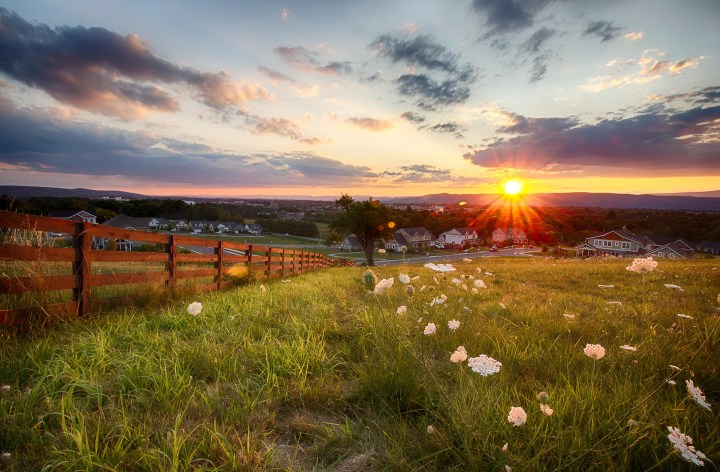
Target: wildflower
x: 568, y: 316
x: 404, y: 278
x: 431, y: 429
x: 676, y: 287
x: 672, y: 382
x: 466, y: 260
x: 484, y: 365
x: 642, y: 265
x: 505, y: 447
x: 437, y: 301
x: 440, y: 267
x: 683, y: 443
x: 517, y: 416
x: 480, y: 284
x: 456, y: 281
x: 410, y: 290
x: 628, y: 348
x: 543, y: 397
x: 429, y: 329
x: 460, y: 355
x: 402, y: 310
x: 697, y: 394
x: 594, y: 351
x: 474, y: 290
x: 262, y: 289
x: 381, y: 251
x: 453, y: 324
x: 546, y: 409
x: 684, y: 316
x: 6, y: 455
x: 383, y: 285
x: 420, y: 320
x: 369, y: 279
x: 605, y: 286
x: 489, y: 274
x: 194, y: 308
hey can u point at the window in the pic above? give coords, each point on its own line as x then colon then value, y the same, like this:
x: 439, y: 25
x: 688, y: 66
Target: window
x: 617, y: 243
x: 607, y: 243
x: 625, y: 245
x: 596, y: 242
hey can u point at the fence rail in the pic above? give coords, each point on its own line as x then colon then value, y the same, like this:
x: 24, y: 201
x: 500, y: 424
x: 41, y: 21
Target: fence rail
x: 260, y: 261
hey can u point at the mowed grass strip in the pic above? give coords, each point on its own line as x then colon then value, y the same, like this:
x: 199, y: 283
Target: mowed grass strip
x: 319, y: 373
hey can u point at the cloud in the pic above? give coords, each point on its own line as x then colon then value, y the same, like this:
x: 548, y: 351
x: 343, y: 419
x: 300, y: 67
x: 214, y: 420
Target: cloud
x: 450, y: 127
x: 659, y: 144
x: 650, y: 68
x: 285, y: 14
x: 307, y: 60
x: 371, y: 124
x: 281, y: 127
x: 275, y: 75
x: 634, y: 36
x: 421, y: 52
x: 409, y: 28
x: 32, y: 141
x: 533, y: 48
x: 603, y: 30
x: 508, y: 16
x: 412, y: 117
x: 104, y: 72
x: 704, y: 96
x: 536, y: 41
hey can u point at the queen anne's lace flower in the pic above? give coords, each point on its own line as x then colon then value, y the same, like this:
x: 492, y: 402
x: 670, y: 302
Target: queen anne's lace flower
x: 195, y: 308
x: 440, y: 267
x: 460, y: 355
x: 456, y: 281
x: 517, y: 416
x: 429, y: 329
x: 402, y: 310
x: 404, y: 278
x: 642, y: 265
x: 479, y: 284
x: 383, y: 285
x: 697, y: 394
x: 453, y: 324
x: 594, y: 351
x: 546, y: 409
x: 484, y: 365
x: 683, y: 444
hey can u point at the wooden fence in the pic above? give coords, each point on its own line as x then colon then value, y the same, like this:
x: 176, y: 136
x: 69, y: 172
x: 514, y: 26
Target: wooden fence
x: 260, y: 261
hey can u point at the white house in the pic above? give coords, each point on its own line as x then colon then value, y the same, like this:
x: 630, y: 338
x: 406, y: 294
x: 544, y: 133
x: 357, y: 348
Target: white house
x: 351, y: 243
x: 509, y: 236
x: 458, y: 237
x: 74, y: 215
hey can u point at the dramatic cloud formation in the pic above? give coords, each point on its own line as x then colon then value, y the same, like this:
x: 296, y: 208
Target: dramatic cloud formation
x: 371, y: 124
x: 603, y: 30
x: 535, y: 42
x: 503, y: 17
x: 652, y: 144
x: 420, y: 52
x: 103, y: 72
x: 30, y: 142
x: 307, y: 60
x: 650, y: 68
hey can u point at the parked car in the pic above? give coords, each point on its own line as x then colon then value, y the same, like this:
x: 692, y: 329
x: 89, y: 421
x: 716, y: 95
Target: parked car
x: 493, y: 248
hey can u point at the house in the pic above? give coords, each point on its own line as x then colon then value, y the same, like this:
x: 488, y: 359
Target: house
x: 509, y: 236
x: 670, y: 246
x: 412, y: 238
x: 253, y: 229
x: 458, y: 237
x: 619, y: 242
x: 158, y: 223
x: 124, y: 222
x: 81, y: 216
x: 235, y: 228
x: 351, y: 243
x: 178, y: 225
x: 710, y: 247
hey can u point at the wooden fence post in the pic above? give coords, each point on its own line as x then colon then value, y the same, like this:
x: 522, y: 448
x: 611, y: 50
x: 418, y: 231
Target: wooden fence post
x: 81, y: 267
x: 282, y: 271
x: 249, y: 259
x: 220, y: 264
x: 269, y: 262
x: 172, y: 263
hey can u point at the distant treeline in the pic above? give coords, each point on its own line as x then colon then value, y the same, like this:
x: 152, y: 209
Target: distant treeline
x: 294, y: 227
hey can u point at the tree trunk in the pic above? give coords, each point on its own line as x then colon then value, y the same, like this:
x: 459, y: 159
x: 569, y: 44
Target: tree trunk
x: 369, y: 249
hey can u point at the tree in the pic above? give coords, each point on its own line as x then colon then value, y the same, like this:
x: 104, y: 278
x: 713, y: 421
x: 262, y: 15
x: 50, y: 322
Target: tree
x: 368, y: 220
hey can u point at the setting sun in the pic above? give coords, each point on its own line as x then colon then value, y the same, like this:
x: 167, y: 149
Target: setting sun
x: 513, y: 187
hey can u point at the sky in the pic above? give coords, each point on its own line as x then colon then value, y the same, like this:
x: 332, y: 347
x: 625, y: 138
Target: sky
x: 373, y: 97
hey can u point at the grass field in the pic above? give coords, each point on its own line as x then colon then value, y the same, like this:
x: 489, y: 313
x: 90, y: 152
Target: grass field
x: 319, y: 373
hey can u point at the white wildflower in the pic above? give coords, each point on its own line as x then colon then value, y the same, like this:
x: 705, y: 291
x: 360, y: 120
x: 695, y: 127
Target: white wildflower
x: 517, y: 416
x: 642, y: 265
x: 480, y: 284
x: 605, y: 286
x: 262, y: 289
x: 194, y: 308
x: 437, y: 301
x: 484, y: 365
x: 429, y: 329
x: 456, y: 281
x: 546, y: 409
x: 614, y: 303
x: 440, y: 267
x: 460, y: 355
x: 697, y: 394
x: 431, y: 429
x: 676, y: 287
x: 404, y: 278
x: 402, y: 310
x: 594, y: 351
x: 684, y: 316
x: 453, y: 324
x: 286, y: 281
x: 628, y: 348
x: 489, y: 274
x: 568, y: 316
x: 683, y: 444
x: 383, y: 285
x: 466, y: 260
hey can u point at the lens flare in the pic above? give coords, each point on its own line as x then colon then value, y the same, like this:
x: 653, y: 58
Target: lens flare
x: 513, y: 187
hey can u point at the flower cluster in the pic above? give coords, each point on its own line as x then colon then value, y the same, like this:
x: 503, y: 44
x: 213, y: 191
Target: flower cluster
x: 460, y: 355
x: 642, y: 265
x: 697, y: 394
x: 484, y: 365
x: 683, y: 443
x: 195, y: 308
x: 429, y: 329
x: 480, y: 284
x: 453, y: 324
x: 440, y: 267
x: 402, y: 310
x: 517, y: 416
x: 404, y: 278
x: 383, y: 285
x: 594, y: 351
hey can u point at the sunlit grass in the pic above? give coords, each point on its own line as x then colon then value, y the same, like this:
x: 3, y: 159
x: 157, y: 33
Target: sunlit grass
x: 318, y: 372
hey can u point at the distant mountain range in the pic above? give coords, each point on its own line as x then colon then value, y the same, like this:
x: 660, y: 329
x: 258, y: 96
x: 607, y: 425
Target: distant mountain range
x: 693, y: 201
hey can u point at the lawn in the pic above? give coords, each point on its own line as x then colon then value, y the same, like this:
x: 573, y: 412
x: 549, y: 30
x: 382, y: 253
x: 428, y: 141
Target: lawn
x: 318, y: 373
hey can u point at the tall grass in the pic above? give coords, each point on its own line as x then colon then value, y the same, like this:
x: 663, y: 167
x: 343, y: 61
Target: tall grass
x: 318, y: 373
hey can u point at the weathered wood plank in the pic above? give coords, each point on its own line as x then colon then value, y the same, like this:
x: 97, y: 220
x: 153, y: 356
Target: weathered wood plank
x: 10, y: 285
x: 99, y: 280
x: 35, y: 254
